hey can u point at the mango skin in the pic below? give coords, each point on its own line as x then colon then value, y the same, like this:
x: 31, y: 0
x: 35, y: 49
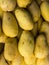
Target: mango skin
x: 10, y: 49
x: 23, y: 3
x: 45, y: 10
x: 7, y: 5
x: 26, y: 44
x: 24, y: 19
x: 45, y: 29
x: 41, y: 48
x: 9, y: 25
x: 35, y: 11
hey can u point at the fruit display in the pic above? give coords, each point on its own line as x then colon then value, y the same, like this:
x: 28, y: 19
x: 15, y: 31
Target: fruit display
x: 24, y: 32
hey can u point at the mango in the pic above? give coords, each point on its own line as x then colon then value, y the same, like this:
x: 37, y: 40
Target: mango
x: 9, y: 25
x: 24, y: 19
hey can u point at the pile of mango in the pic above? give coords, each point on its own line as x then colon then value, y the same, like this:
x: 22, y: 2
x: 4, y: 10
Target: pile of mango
x: 24, y: 32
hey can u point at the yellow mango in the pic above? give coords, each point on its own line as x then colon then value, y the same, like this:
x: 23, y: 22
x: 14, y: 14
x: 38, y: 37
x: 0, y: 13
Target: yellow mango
x: 7, y: 5
x: 35, y: 11
x: 41, y: 48
x: 10, y: 49
x: 9, y: 25
x: 45, y: 29
x: 23, y: 3
x: 24, y: 19
x: 45, y: 10
x: 26, y: 44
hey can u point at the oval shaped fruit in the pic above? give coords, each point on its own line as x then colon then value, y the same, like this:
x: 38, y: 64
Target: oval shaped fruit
x: 35, y: 11
x: 31, y: 60
x: 41, y: 48
x: 45, y: 29
x: 45, y: 10
x: 9, y: 25
x: 10, y: 49
x: 7, y: 5
x: 24, y: 19
x: 26, y: 44
x: 23, y: 3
